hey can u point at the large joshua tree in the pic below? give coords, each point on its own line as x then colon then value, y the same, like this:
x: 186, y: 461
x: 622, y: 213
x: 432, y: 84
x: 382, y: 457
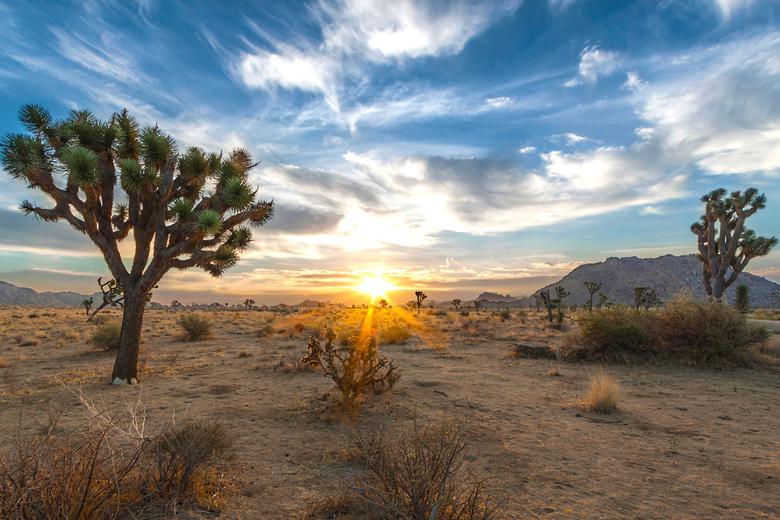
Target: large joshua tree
x: 112, y: 180
x: 725, y: 244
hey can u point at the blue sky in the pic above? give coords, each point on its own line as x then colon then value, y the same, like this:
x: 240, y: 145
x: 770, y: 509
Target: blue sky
x: 456, y: 146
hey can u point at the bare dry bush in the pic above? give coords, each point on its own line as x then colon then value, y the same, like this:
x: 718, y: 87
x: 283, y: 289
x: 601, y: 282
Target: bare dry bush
x: 355, y: 367
x: 108, y: 470
x: 419, y: 475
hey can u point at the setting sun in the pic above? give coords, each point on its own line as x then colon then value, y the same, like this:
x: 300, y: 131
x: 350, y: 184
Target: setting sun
x: 375, y: 286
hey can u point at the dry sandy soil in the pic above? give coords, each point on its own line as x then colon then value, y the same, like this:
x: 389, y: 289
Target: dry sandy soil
x: 686, y: 443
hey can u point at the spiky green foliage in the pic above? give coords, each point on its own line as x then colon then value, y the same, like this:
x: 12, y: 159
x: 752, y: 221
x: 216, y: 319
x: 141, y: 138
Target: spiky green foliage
x: 593, y: 288
x: 419, y: 297
x: 82, y: 163
x: 725, y: 244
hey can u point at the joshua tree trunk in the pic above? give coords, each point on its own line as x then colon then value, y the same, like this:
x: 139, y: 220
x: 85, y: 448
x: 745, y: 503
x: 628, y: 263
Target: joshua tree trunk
x: 126, y: 364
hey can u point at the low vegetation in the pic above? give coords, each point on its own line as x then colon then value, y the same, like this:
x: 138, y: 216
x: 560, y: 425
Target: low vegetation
x: 106, y: 336
x: 418, y: 475
x: 395, y: 334
x: 692, y: 331
x: 603, y: 393
x: 355, y: 367
x: 196, y: 328
x: 105, y: 471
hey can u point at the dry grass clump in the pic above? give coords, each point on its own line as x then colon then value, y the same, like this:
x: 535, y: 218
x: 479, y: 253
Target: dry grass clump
x: 355, y: 367
x: 698, y: 332
x: 765, y: 314
x: 418, y: 475
x: 106, y: 336
x: 196, y: 328
x: 395, y: 334
x: 603, y: 393
x: 107, y: 472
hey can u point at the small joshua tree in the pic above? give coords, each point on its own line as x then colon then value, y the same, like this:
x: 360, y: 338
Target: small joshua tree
x: 593, y: 288
x: 248, y: 303
x: 742, y: 298
x: 354, y: 367
x: 548, y: 303
x: 383, y: 303
x: 420, y: 296
x: 603, y: 299
x: 725, y: 244
x: 87, y: 304
x: 646, y: 297
x: 456, y: 303
x: 560, y: 294
x: 112, y: 179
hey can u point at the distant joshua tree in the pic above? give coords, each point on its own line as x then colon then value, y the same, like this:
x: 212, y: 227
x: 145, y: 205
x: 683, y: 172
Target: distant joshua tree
x: 420, y: 296
x: 383, y: 303
x: 725, y: 244
x: 248, y: 303
x: 593, y: 288
x: 560, y: 294
x: 742, y: 298
x: 544, y: 295
x: 456, y: 303
x: 87, y: 303
x: 175, y: 221
x: 603, y: 299
x: 646, y: 297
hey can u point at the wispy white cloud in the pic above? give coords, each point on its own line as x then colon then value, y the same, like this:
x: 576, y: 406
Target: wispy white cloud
x: 728, y: 8
x: 594, y: 63
x: 721, y: 111
x: 355, y: 32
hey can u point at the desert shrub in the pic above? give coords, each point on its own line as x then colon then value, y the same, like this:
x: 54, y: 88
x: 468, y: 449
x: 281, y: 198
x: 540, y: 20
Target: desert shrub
x: 614, y: 332
x: 106, y: 336
x: 105, y: 472
x: 688, y: 330
x: 396, y: 333
x: 505, y: 315
x: 184, y: 459
x: 195, y: 327
x: 441, y: 313
x: 705, y: 331
x: 420, y: 475
x: 355, y: 367
x: 265, y: 330
x: 603, y: 393
x: 464, y: 313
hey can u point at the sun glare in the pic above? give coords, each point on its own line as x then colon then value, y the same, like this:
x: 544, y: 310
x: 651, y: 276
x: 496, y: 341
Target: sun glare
x: 376, y: 287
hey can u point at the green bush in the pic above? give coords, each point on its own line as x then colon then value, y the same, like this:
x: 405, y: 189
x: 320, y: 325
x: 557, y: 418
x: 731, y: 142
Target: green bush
x: 505, y: 315
x: 106, y: 336
x: 692, y: 331
x: 612, y: 333
x: 705, y: 331
x: 195, y: 327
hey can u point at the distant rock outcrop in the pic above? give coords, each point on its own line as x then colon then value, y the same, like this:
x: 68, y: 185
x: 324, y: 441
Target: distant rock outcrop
x: 494, y: 297
x: 667, y: 274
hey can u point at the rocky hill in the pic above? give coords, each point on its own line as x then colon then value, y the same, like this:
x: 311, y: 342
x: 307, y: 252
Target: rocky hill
x: 13, y: 295
x: 667, y: 274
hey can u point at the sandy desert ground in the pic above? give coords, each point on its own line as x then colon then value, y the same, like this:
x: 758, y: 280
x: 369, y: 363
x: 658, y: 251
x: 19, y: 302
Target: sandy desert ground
x: 686, y: 443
